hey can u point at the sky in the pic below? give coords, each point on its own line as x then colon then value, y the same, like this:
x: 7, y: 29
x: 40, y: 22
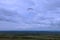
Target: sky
x: 28, y: 15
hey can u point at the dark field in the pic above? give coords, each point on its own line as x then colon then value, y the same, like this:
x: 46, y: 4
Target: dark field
x: 29, y: 35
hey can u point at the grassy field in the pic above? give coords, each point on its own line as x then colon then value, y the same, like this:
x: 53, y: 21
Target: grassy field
x: 42, y: 37
x: 29, y: 36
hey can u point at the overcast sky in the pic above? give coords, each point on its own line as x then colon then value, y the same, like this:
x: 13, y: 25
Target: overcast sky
x: 30, y: 15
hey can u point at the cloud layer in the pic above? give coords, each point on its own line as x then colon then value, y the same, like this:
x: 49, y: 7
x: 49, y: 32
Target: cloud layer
x: 30, y: 15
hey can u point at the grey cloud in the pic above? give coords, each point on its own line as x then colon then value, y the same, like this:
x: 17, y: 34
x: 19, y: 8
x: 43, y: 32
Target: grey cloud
x: 42, y: 17
x: 53, y: 4
x: 6, y: 15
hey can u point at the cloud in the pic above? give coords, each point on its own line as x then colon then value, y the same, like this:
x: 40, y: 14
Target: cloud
x: 14, y: 15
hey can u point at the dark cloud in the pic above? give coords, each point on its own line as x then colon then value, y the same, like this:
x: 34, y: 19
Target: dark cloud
x: 5, y: 15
